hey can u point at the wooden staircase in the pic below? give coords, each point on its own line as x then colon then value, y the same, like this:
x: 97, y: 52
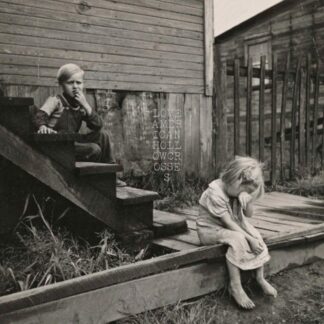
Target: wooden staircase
x: 49, y: 158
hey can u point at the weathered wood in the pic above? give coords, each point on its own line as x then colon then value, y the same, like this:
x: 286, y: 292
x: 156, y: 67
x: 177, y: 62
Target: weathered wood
x: 220, y: 112
x: 209, y: 46
x: 99, y: 76
x: 307, y: 108
x: 17, y: 79
x: 315, y: 116
x: 261, y: 108
x: 87, y: 168
x: 274, y: 121
x: 248, y: 123
x: 108, y: 22
x: 301, y: 122
x: 165, y: 224
x: 14, y: 113
x: 293, y: 119
x: 11, y: 15
x: 58, y: 179
x: 207, y: 140
x: 283, y: 117
x: 14, y: 190
x: 111, y: 303
x: 130, y: 196
x: 236, y: 107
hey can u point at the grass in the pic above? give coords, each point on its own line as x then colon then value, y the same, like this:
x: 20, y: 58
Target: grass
x: 308, y: 186
x: 174, y: 190
x: 40, y: 253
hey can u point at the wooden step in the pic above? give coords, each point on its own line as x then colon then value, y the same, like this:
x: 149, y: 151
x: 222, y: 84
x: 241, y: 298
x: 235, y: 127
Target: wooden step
x: 15, y: 114
x: 102, y: 176
x: 133, y: 196
x: 135, y: 208
x: 58, y: 146
x: 91, y: 168
x: 166, y: 224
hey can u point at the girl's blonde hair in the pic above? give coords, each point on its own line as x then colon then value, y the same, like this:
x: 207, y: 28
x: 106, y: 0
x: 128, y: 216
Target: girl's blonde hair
x: 247, y: 169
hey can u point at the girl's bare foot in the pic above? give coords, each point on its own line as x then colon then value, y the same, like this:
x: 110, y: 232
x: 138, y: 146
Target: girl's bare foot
x: 241, y: 297
x: 267, y: 288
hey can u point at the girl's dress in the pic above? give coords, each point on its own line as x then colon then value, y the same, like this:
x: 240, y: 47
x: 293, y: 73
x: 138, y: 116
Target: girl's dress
x: 214, y: 204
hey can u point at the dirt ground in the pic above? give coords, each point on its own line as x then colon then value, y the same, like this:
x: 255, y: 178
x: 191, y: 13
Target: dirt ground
x: 300, y: 301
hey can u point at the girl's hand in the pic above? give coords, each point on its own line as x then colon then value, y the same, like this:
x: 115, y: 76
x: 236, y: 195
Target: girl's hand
x: 244, y: 198
x: 46, y: 130
x: 81, y: 99
x: 256, y: 245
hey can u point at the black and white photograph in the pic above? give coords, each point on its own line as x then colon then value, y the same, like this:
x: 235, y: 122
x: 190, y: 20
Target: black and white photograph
x: 161, y: 161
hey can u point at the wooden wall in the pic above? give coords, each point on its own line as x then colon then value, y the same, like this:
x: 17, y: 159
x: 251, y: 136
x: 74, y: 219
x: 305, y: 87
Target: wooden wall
x: 297, y: 30
x: 141, y: 57
x: 143, y: 45
x: 142, y: 125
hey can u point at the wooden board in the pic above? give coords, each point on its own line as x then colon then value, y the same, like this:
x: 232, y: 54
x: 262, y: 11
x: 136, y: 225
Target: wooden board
x: 162, y: 37
x: 128, y: 298
x: 87, y: 168
x: 129, y: 195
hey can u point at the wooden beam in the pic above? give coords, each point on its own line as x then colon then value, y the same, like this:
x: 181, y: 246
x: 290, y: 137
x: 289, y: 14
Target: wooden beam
x: 219, y: 112
x: 209, y: 46
x: 110, y: 303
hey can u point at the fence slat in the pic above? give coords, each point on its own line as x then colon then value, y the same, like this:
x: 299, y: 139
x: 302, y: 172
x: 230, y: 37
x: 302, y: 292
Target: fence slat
x: 274, y: 121
x: 315, y: 116
x: 249, y: 108
x: 261, y: 108
x: 236, y: 107
x: 283, y: 117
x: 307, y: 109
x: 302, y: 104
x: 293, y: 119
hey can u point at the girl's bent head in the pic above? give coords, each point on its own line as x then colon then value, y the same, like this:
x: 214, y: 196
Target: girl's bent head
x: 244, y: 174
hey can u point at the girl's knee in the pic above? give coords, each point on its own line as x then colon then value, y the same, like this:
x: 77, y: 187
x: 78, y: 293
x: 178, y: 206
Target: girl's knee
x: 94, y: 152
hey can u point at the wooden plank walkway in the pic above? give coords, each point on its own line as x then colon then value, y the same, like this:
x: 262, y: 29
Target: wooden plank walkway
x: 293, y: 239
x: 276, y: 213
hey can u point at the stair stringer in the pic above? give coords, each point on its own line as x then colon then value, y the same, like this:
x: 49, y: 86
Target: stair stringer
x: 59, y: 179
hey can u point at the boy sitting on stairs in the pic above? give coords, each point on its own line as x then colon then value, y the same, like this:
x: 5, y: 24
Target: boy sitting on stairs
x: 65, y: 113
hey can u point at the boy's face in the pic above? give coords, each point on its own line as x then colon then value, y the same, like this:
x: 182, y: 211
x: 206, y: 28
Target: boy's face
x: 73, y: 85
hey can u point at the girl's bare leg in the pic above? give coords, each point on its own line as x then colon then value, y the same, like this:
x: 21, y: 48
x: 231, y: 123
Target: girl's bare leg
x: 264, y: 284
x: 236, y: 289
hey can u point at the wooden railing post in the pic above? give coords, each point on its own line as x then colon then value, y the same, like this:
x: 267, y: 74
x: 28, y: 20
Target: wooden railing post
x: 307, y: 109
x: 274, y: 121
x: 315, y: 116
x: 261, y: 108
x: 283, y: 116
x: 249, y: 108
x: 220, y: 112
x: 236, y: 107
x: 302, y: 106
x: 293, y: 120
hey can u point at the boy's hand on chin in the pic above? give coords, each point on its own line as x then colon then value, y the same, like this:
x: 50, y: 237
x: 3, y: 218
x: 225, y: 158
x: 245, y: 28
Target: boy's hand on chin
x: 81, y: 99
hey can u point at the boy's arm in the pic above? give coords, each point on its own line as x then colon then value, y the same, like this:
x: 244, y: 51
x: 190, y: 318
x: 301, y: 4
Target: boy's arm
x: 41, y: 117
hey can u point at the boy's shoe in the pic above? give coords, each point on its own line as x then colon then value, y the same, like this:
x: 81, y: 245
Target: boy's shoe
x: 120, y: 183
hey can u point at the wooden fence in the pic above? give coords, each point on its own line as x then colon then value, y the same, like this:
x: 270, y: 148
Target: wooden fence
x: 281, y: 110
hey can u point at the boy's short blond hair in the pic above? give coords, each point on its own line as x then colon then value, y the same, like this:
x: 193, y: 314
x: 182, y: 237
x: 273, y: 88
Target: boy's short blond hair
x: 249, y: 170
x: 66, y: 71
